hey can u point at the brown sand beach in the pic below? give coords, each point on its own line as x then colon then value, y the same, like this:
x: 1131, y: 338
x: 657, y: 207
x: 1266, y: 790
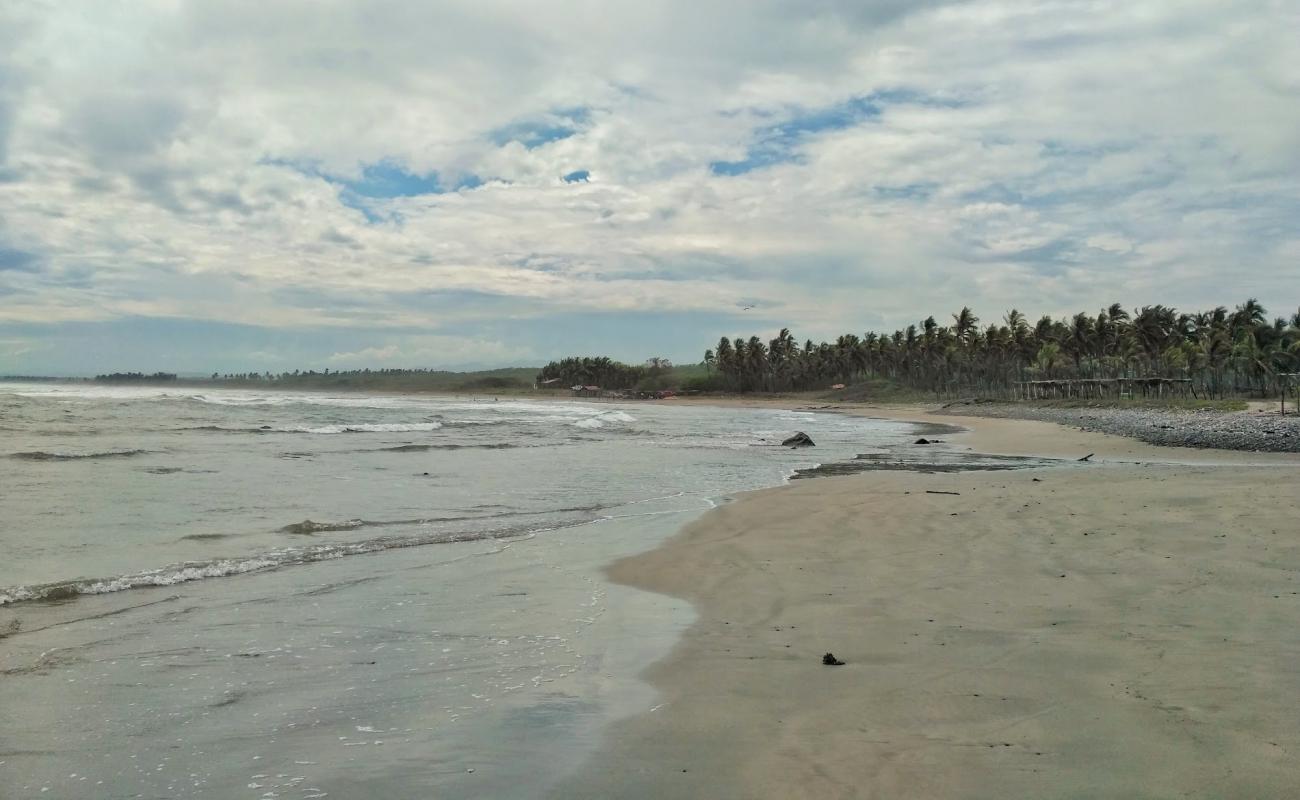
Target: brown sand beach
x: 1098, y: 630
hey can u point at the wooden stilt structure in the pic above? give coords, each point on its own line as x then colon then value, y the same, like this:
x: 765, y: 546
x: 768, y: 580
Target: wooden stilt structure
x: 1100, y: 388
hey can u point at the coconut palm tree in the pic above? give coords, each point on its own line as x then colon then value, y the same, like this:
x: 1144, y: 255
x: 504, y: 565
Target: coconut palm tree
x: 1046, y: 360
x: 964, y: 323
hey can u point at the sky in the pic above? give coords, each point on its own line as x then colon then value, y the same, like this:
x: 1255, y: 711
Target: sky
x: 264, y: 186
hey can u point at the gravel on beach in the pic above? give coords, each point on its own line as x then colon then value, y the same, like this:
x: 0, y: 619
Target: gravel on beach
x: 1234, y: 430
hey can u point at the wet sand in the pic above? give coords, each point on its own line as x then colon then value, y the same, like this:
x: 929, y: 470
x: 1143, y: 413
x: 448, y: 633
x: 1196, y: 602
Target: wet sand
x: 1090, y: 630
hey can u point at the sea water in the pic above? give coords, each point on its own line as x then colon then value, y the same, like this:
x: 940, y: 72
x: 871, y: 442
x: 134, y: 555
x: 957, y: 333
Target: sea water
x: 265, y: 594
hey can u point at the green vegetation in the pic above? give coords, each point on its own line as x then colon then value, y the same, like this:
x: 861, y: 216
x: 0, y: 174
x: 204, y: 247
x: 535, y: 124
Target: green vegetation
x: 36, y: 379
x: 1154, y: 356
x: 1217, y: 353
x: 136, y: 377
x: 502, y: 381
x: 877, y: 390
x: 656, y: 374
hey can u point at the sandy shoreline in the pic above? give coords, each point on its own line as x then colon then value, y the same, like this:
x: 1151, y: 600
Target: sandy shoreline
x: 1105, y: 630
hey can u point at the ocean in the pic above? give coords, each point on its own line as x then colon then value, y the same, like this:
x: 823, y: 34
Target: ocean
x: 264, y: 594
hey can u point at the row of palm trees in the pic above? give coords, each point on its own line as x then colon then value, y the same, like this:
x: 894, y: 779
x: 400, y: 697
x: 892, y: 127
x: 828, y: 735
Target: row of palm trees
x: 1221, y: 352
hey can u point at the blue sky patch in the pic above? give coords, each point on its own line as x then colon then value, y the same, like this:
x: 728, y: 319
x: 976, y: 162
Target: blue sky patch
x: 552, y: 127
x: 381, y: 180
x: 577, y: 176
x: 388, y: 179
x: 14, y: 260
x: 779, y: 143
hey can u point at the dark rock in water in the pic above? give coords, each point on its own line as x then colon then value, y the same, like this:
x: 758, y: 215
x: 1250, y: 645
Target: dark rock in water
x: 800, y: 439
x: 924, y: 440
x: 831, y: 661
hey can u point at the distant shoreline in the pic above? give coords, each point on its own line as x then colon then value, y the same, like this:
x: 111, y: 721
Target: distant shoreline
x: 1258, y: 428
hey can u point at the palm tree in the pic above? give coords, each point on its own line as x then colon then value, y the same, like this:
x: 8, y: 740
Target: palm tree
x: 1079, y: 345
x: 964, y: 323
x: 1216, y: 349
x: 1045, y: 361
x: 726, y: 360
x: 1253, y: 361
x: 1154, y: 327
x: 757, y: 352
x: 1248, y: 315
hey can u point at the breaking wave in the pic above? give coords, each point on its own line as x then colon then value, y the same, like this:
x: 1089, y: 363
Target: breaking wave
x: 256, y: 400
x: 309, y: 527
x: 40, y: 455
x: 420, y: 448
x: 275, y: 559
x: 600, y: 420
x: 378, y: 427
x: 365, y: 427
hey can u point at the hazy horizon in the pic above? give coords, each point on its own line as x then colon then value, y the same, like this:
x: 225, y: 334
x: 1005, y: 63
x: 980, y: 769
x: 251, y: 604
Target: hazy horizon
x: 287, y: 186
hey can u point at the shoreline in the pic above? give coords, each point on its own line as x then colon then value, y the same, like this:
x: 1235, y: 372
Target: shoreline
x: 1037, y: 431
x: 1115, y: 629
x: 1166, y: 427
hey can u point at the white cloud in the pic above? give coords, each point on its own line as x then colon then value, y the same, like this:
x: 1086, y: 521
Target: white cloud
x: 367, y: 355
x: 168, y: 160
x: 418, y: 351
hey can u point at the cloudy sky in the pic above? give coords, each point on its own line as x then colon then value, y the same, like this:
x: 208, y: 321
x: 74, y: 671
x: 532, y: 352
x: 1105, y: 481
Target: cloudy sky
x: 275, y: 184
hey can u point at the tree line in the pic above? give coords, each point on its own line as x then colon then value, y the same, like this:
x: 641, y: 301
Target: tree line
x: 384, y: 379
x: 136, y: 377
x: 1220, y: 352
x: 605, y: 373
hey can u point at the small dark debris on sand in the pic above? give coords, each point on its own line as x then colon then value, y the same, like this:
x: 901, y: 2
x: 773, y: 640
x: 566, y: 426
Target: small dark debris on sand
x: 936, y: 491
x: 831, y: 661
x: 924, y: 440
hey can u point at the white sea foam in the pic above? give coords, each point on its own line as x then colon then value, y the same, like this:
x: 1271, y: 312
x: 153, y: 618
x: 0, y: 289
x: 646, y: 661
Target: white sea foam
x: 601, y: 418
x: 241, y: 398
x: 41, y: 455
x: 358, y: 427
x: 284, y: 557
x: 376, y: 427
x: 617, y: 416
x: 162, y: 577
